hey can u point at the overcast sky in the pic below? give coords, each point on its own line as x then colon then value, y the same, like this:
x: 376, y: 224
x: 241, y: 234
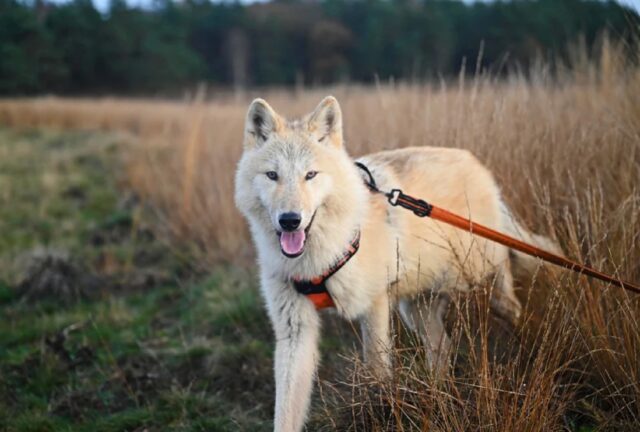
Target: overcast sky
x: 102, y: 4
x: 633, y: 3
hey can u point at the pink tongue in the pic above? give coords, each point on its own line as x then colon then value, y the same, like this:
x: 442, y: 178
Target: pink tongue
x: 292, y: 242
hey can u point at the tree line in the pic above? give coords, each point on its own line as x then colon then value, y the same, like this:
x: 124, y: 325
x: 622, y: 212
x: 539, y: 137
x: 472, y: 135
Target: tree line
x: 73, y: 48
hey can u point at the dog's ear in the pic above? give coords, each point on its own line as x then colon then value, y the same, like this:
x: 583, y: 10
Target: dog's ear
x: 261, y: 122
x: 325, y: 123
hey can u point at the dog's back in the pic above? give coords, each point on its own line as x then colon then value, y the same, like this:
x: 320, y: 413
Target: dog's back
x: 452, y: 179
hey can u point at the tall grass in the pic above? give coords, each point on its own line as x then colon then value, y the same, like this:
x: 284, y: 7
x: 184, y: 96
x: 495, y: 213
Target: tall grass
x: 565, y: 148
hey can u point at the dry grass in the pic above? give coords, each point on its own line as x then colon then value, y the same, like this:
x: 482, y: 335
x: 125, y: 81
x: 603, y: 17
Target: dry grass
x: 566, y: 151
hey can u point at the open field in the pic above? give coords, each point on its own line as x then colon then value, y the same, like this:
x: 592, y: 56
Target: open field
x: 170, y: 332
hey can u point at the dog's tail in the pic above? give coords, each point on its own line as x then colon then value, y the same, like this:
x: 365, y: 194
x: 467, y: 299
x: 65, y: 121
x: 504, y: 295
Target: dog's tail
x: 524, y: 265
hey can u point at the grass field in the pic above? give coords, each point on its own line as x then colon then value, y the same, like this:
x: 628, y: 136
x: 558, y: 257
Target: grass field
x: 103, y: 326
x: 130, y: 300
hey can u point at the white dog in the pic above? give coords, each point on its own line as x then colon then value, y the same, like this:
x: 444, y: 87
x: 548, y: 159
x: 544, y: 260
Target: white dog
x: 323, y: 239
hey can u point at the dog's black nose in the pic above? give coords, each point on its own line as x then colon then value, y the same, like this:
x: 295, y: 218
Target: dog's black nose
x: 290, y: 221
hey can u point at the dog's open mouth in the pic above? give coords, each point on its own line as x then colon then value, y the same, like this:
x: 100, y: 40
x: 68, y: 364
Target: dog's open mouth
x: 292, y: 242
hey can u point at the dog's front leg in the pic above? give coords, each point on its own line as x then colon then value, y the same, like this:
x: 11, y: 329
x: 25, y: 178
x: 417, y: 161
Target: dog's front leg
x: 376, y: 338
x: 297, y: 328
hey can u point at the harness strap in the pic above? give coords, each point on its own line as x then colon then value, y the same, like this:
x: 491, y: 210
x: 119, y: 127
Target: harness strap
x: 315, y: 289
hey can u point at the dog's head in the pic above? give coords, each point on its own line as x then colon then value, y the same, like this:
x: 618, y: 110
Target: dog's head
x: 290, y: 180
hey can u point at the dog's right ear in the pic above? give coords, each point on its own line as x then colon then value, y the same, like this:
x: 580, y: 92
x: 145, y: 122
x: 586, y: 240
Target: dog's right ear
x: 261, y: 122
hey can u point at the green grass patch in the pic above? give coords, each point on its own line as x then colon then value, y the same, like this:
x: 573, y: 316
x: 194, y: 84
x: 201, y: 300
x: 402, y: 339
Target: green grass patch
x: 145, y: 347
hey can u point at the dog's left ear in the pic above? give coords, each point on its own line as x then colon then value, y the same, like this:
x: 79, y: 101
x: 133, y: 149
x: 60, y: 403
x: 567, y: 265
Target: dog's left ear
x: 325, y: 123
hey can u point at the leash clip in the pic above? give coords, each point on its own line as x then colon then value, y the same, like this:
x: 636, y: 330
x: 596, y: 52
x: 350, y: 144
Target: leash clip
x: 393, y: 196
x: 419, y: 207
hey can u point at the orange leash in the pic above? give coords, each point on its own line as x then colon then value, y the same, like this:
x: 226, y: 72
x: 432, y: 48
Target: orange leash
x: 488, y: 233
x: 423, y: 209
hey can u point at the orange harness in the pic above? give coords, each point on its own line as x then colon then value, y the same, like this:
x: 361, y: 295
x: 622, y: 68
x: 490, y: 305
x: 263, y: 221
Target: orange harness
x: 315, y: 289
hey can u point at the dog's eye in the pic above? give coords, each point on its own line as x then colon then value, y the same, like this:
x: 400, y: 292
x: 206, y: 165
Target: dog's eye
x: 310, y: 175
x: 272, y: 175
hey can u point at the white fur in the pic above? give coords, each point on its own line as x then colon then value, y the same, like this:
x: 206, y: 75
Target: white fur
x: 401, y: 256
